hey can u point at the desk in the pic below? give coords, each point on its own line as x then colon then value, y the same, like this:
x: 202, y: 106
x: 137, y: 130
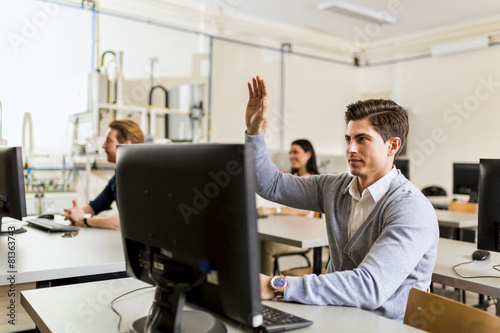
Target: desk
x: 43, y: 256
x: 440, y: 202
x: 299, y: 231
x: 88, y: 310
x: 452, y: 252
x: 456, y: 220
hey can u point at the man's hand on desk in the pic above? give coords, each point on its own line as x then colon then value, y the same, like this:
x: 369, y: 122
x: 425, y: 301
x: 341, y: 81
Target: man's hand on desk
x: 266, y: 292
x: 75, y: 214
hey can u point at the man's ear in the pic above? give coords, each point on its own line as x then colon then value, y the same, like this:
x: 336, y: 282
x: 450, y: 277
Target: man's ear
x: 394, y: 145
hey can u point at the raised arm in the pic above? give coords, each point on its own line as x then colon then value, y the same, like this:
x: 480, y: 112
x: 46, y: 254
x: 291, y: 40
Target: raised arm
x: 258, y: 101
x: 272, y: 184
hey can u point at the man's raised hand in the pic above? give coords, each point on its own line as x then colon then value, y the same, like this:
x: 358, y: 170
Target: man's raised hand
x: 258, y: 101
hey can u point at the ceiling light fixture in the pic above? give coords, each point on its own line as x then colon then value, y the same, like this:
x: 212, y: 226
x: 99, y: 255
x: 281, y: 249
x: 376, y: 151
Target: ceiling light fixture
x: 356, y: 11
x: 460, y: 46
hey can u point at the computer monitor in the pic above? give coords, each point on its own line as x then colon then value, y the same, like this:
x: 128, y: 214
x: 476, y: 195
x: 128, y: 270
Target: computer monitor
x: 466, y: 179
x: 188, y: 223
x: 488, y: 227
x: 404, y: 166
x: 12, y: 195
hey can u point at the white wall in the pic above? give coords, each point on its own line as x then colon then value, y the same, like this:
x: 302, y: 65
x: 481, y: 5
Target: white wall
x: 317, y: 93
x: 434, y: 89
x: 43, y: 47
x: 233, y: 66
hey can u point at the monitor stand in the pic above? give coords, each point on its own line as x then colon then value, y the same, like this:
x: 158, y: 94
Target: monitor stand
x: 167, y: 314
x: 192, y: 322
x: 4, y: 230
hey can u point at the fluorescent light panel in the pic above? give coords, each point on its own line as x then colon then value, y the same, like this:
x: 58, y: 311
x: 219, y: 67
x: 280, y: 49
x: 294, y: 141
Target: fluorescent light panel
x: 460, y: 46
x: 356, y: 11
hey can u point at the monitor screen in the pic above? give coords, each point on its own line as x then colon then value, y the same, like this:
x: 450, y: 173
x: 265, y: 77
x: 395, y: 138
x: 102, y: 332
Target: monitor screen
x: 12, y: 194
x: 404, y: 166
x: 488, y: 228
x: 188, y: 222
x: 466, y: 179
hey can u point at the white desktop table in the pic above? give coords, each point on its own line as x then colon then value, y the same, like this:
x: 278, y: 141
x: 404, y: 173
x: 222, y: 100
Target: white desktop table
x: 456, y: 219
x: 299, y: 231
x: 452, y: 252
x: 42, y: 256
x: 86, y: 308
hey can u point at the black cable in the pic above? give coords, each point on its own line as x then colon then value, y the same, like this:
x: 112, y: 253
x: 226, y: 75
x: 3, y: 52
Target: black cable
x: 117, y: 298
x: 474, y: 277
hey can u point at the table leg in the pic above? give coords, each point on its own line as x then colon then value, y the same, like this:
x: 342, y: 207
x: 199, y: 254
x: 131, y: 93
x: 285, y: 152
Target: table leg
x: 317, y: 253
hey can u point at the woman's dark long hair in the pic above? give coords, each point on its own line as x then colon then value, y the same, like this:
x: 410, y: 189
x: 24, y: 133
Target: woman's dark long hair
x: 311, y: 165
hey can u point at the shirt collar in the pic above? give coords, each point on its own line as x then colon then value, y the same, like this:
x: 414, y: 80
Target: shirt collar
x: 376, y: 190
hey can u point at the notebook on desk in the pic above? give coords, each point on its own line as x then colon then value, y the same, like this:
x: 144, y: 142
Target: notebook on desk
x: 50, y: 225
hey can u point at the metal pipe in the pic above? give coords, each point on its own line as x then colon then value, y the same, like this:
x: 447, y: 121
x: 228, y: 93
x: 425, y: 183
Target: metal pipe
x: 210, y: 68
x: 150, y: 102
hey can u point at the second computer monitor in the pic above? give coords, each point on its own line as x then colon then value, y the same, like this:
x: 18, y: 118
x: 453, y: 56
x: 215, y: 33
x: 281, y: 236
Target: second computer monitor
x: 12, y: 194
x: 488, y: 229
x: 404, y: 166
x: 466, y: 179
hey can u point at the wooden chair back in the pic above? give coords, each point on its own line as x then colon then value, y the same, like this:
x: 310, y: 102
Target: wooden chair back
x: 436, y: 314
x: 464, y: 207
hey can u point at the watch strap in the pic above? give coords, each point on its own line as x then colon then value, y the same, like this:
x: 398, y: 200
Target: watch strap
x: 85, y: 221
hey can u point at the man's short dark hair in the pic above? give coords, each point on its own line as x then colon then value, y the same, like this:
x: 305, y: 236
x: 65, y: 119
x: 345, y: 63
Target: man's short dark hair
x: 127, y: 130
x: 387, y: 117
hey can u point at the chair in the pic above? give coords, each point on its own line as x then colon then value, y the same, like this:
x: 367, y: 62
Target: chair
x: 437, y: 314
x: 434, y: 191
x: 464, y: 207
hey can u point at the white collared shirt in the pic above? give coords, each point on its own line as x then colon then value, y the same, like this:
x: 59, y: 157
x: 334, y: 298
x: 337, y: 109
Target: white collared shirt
x: 363, y: 204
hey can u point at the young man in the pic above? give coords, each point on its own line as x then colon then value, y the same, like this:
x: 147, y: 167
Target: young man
x: 382, y: 232
x: 121, y: 132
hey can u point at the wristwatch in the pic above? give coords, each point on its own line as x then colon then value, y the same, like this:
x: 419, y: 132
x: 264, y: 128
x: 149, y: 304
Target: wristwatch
x: 85, y: 220
x: 278, y: 284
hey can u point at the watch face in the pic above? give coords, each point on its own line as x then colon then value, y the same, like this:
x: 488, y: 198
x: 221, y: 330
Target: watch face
x: 279, y: 282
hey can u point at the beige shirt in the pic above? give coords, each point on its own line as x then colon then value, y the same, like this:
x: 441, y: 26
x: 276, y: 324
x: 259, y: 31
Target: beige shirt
x: 363, y: 204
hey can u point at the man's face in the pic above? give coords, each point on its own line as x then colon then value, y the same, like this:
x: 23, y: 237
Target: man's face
x: 369, y: 157
x: 110, y: 144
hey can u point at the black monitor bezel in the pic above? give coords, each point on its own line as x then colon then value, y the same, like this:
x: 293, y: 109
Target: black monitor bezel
x: 12, y: 182
x: 461, y: 169
x: 488, y: 228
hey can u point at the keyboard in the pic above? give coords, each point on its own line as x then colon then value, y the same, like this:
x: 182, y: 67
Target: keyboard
x: 278, y: 321
x: 50, y: 225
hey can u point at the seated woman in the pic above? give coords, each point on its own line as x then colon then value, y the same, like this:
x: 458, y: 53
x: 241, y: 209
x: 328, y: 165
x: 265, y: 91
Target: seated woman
x: 303, y: 160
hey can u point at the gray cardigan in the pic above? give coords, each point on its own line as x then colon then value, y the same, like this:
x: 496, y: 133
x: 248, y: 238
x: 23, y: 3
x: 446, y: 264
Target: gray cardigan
x: 393, y: 251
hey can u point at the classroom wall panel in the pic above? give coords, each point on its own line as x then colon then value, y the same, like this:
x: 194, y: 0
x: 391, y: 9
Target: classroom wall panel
x: 317, y: 93
x: 233, y: 66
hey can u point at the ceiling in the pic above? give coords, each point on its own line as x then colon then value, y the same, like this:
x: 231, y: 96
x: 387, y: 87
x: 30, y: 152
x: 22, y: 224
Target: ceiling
x: 412, y: 16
